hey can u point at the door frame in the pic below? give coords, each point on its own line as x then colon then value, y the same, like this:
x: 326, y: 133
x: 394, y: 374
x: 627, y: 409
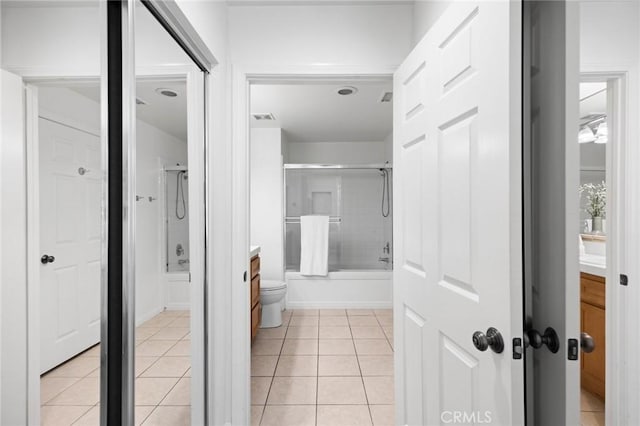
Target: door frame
x: 196, y: 130
x: 617, y: 306
x: 242, y: 78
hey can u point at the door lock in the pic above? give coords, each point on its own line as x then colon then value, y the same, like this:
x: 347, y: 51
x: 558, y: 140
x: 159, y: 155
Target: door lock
x: 493, y: 340
x: 587, y: 343
x: 47, y: 259
x: 549, y: 338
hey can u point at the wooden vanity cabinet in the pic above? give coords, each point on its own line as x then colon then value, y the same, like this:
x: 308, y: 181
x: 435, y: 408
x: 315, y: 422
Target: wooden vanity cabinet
x: 254, y: 296
x: 592, y: 321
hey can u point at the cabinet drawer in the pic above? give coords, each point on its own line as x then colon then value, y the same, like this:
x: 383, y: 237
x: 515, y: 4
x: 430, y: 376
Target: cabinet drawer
x: 256, y: 313
x: 255, y: 290
x: 255, y: 266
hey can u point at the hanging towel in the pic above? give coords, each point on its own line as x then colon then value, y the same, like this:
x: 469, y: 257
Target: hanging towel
x: 314, y: 245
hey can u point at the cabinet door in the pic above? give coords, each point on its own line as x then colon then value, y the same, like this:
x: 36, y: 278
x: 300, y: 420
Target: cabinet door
x: 593, y: 364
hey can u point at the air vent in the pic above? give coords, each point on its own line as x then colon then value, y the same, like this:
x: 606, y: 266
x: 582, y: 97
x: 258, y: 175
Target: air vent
x: 263, y: 117
x: 386, y: 97
x: 347, y: 91
x: 169, y: 93
x: 140, y: 102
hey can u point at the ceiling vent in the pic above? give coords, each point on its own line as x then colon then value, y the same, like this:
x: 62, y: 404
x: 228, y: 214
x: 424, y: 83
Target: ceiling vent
x: 347, y: 91
x: 264, y: 117
x: 140, y: 102
x: 386, y: 97
x: 169, y: 93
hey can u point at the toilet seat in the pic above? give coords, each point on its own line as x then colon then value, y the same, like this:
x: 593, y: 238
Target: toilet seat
x: 272, y: 285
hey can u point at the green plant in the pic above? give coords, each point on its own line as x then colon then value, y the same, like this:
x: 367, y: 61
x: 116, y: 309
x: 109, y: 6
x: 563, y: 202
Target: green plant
x: 596, y: 197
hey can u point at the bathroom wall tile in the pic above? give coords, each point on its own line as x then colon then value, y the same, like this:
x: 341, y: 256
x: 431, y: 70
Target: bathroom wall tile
x: 336, y: 347
x: 180, y: 394
x: 340, y: 390
x: 168, y: 366
x: 335, y: 332
x: 379, y: 390
x: 266, y: 346
x: 289, y: 415
x: 300, y: 347
x: 372, y: 347
x: 333, y: 321
x: 303, y: 332
x: 260, y: 389
x: 338, y: 365
x: 61, y: 416
x: 263, y: 365
x: 376, y: 365
x: 169, y: 416
x: 383, y: 415
x: 352, y: 415
x: 150, y: 391
x: 292, y: 391
x: 367, y: 332
x: 297, y: 365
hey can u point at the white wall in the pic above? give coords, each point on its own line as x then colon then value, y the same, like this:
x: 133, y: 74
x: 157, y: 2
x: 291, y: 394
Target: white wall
x: 320, y: 34
x: 338, y: 152
x: 610, y: 41
x: 13, y: 245
x: 267, y: 201
x: 425, y: 14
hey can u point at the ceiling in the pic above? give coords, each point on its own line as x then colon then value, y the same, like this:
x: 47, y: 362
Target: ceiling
x: 316, y: 113
x: 165, y: 113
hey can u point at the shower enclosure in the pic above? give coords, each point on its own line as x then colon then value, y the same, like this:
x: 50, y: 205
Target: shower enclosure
x: 357, y: 199
x: 176, y: 218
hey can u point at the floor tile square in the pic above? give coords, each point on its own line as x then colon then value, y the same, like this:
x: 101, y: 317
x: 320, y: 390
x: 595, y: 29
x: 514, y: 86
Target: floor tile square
x: 305, y: 312
x: 52, y: 386
x: 336, y: 347
x: 335, y: 332
x: 144, y: 362
x: 383, y: 312
x: 300, y: 347
x: 175, y: 333
x: 355, y: 312
x: 182, y: 348
x: 151, y: 390
x: 61, y: 416
x: 266, y: 347
x: 169, y: 416
x: 302, y: 332
x: 376, y: 365
x: 259, y: 390
x: 297, y: 365
x: 75, y: 367
x: 256, y: 414
x: 272, y: 333
x: 263, y: 365
x: 379, y: 390
x: 333, y: 312
x: 343, y: 415
x: 340, y: 391
x: 304, y: 320
x: 590, y: 418
x: 341, y: 321
x: 168, y: 366
x: 383, y: 415
x: 372, y: 347
x: 83, y: 392
x: 386, y: 321
x: 363, y: 320
x: 338, y: 365
x: 180, y: 394
x: 289, y: 415
x: 368, y: 332
x: 180, y: 322
x: 292, y: 391
x: 154, y: 347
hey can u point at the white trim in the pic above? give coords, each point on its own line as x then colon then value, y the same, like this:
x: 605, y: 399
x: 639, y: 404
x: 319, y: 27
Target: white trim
x: 178, y: 306
x: 33, y: 254
x: 242, y: 76
x: 339, y: 305
x: 617, y: 306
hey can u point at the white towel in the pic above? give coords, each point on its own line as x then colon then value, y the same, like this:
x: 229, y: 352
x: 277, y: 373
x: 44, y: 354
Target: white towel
x: 314, y: 245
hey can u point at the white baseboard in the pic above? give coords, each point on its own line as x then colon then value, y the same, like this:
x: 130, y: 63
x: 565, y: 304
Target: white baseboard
x: 339, y: 305
x: 147, y: 316
x: 178, y: 306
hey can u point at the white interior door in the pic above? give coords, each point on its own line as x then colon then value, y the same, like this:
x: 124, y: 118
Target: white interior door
x: 458, y: 225
x: 70, y: 226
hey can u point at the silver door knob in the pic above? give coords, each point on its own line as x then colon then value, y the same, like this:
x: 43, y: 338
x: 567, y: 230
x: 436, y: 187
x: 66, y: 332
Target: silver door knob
x: 587, y: 344
x: 493, y: 340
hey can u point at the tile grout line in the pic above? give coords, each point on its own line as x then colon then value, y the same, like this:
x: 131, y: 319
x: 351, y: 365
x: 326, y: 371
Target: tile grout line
x: 264, y: 406
x: 364, y: 388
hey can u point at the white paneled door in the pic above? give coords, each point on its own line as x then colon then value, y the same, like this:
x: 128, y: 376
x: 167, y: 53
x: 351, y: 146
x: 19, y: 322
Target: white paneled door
x: 70, y: 226
x: 458, y: 227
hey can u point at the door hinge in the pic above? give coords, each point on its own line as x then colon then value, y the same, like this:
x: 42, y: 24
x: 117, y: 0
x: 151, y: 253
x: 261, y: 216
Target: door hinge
x: 572, y: 349
x: 517, y: 348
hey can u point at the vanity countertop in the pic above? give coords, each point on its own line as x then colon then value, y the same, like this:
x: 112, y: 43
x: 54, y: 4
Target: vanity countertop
x: 593, y: 264
x: 254, y: 250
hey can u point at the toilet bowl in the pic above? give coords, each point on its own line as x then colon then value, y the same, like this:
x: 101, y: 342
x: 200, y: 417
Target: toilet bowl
x: 272, y: 299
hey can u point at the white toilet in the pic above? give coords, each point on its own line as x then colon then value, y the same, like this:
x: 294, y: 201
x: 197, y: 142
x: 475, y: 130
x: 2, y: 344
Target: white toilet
x: 272, y: 299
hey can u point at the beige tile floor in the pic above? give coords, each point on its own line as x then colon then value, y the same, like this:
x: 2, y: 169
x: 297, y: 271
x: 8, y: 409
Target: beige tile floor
x: 70, y: 393
x: 592, y: 409
x: 328, y: 367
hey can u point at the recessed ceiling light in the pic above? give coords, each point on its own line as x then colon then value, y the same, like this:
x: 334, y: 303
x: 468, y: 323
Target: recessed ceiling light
x: 347, y: 90
x: 170, y: 93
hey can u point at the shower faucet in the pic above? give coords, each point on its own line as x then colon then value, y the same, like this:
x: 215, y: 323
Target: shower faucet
x: 386, y: 248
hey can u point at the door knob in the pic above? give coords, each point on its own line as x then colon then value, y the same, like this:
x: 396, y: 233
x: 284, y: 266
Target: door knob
x: 549, y: 338
x: 493, y: 340
x: 47, y: 259
x: 586, y: 343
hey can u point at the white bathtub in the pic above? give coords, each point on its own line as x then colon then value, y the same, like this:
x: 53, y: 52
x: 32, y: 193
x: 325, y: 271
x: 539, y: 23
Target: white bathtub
x: 341, y: 289
x: 177, y: 292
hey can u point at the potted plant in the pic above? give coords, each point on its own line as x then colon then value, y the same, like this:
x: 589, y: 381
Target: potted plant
x: 596, y: 198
